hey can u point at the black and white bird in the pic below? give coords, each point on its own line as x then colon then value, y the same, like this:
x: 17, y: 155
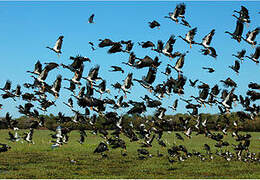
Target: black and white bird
x: 190, y: 36
x: 102, y: 88
x: 179, y: 63
x: 91, y: 19
x: 147, y: 80
x: 240, y: 54
x: 178, y: 12
x: 131, y: 60
x: 207, y: 39
x: 28, y: 136
x: 154, y: 24
x: 251, y: 35
x: 243, y: 15
x: 185, y: 23
x: 168, y: 48
x: 174, y: 106
x: 235, y: 67
x: 210, y: 70
x: 70, y: 103
x: 93, y: 75
x: 188, y: 133
x: 116, y: 68
x: 254, y: 57
x: 37, y: 68
x: 127, y: 83
x: 237, y: 34
x: 43, y: 75
x: 58, y: 45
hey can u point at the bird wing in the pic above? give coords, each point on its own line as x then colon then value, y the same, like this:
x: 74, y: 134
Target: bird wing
x: 151, y: 75
x: 239, y: 28
x: 58, y: 43
x: 207, y: 39
x: 190, y: 35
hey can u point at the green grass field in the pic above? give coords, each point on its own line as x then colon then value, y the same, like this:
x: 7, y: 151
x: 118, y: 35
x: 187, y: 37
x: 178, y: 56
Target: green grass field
x: 40, y: 161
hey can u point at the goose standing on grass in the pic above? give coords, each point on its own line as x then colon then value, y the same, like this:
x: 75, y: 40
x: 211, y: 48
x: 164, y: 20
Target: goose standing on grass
x: 58, y: 45
x: 4, y: 147
x: 190, y: 36
x: 254, y: 57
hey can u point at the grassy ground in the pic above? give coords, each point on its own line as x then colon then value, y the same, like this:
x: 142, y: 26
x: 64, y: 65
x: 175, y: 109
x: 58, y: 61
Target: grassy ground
x: 40, y: 161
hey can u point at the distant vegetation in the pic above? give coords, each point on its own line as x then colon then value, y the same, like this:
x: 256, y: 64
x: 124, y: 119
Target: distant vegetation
x: 171, y: 122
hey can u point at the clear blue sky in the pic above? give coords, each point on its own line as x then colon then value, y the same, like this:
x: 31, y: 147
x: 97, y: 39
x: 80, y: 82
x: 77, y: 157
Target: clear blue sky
x: 28, y: 27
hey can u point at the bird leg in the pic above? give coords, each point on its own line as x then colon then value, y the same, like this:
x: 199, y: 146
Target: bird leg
x: 91, y: 108
x: 58, y: 55
x: 253, y: 45
x: 247, y: 25
x: 190, y: 45
x: 56, y: 96
x: 125, y: 96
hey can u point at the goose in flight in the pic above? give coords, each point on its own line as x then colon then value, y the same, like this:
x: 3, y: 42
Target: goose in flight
x: 147, y: 80
x: 235, y: 67
x: 91, y: 19
x: 237, y: 34
x: 240, y: 54
x: 131, y: 60
x: 58, y: 45
x: 250, y: 36
x: 207, y: 39
x: 37, y: 68
x: 254, y: 57
x: 93, y: 75
x: 168, y: 48
x: 178, y: 12
x: 190, y: 36
x: 243, y: 15
x: 116, y: 68
x: 127, y: 83
x: 43, y: 75
x: 154, y: 24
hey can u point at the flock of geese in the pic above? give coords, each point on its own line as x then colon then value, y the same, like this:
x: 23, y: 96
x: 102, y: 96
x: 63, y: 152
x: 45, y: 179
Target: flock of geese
x: 39, y: 92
